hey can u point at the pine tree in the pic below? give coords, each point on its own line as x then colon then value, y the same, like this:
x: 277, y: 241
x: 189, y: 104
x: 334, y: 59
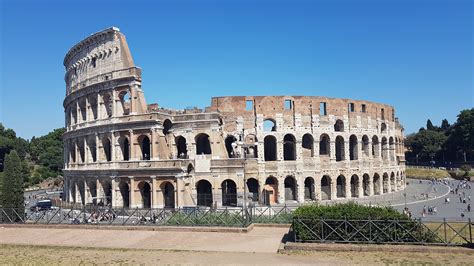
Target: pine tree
x: 12, y: 185
x: 429, y: 125
x: 445, y: 125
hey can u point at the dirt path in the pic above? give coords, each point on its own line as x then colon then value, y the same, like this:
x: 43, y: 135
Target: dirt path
x: 259, y: 240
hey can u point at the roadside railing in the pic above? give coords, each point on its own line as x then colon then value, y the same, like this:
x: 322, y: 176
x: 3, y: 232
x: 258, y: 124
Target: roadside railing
x: 383, y: 231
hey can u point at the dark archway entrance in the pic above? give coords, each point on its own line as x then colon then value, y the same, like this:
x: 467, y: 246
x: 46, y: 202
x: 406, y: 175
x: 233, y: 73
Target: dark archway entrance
x: 289, y: 148
x: 253, y: 188
x: 309, y: 189
x: 229, y: 193
x: 145, y: 192
x: 204, y: 193
x: 125, y: 193
x: 341, y: 186
x: 325, y: 188
x: 270, y: 148
x: 290, y: 188
x: 168, y: 194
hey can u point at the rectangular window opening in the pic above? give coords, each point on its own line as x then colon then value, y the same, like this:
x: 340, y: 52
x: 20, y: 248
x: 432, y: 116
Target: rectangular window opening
x: 248, y: 105
x: 351, y: 107
x: 364, y: 108
x: 288, y: 104
x: 322, y: 108
x: 383, y: 114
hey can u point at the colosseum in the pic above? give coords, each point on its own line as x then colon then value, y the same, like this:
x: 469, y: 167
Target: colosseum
x: 241, y: 150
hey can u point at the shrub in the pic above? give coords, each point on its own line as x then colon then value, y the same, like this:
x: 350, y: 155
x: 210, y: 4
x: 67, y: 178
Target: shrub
x: 350, y: 221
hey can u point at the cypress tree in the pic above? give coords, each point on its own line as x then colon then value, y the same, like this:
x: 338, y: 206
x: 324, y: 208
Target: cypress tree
x: 12, y: 183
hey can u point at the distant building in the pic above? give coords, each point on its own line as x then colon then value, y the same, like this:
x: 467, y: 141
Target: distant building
x: 278, y: 149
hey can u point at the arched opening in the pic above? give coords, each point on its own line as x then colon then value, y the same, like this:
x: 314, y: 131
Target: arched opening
x: 124, y: 97
x: 125, y: 148
x: 289, y: 148
x: 229, y: 193
x: 392, y: 182
x: 72, y: 152
x: 125, y: 193
x: 190, y: 169
x: 92, y: 186
x: 107, y: 187
x: 324, y: 145
x: 93, y: 104
x: 269, y: 143
x: 270, y: 191
x: 251, y: 143
x: 253, y: 188
x: 181, y: 147
x: 365, y: 145
x: 307, y: 144
x: 230, y: 145
x: 385, y: 183
x: 391, y: 149
x: 167, y: 125
x: 107, y: 149
x: 145, y: 193
x: 375, y: 147
x: 339, y: 126
x: 366, y: 184
x: 309, y: 189
x: 82, y: 192
x: 340, y: 149
x: 203, y: 145
x: 204, y: 193
x: 92, y: 149
x: 80, y: 147
x: 355, y: 186
x: 83, y: 110
x: 107, y: 99
x: 383, y: 128
x: 353, y: 148
x: 341, y: 186
x: 325, y: 188
x: 384, y: 148
x: 168, y: 194
x: 145, y: 144
x: 290, y: 188
x: 269, y: 125
x: 377, y: 184
x: 74, y: 115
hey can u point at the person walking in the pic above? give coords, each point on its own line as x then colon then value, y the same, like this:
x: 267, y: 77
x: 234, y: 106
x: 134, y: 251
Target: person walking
x: 469, y: 207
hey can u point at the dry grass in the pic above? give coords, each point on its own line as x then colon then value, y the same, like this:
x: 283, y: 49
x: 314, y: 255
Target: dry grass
x: 424, y: 173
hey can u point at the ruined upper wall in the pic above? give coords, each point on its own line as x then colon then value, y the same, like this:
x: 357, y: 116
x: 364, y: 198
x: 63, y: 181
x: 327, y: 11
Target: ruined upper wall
x: 269, y: 106
x: 101, y: 53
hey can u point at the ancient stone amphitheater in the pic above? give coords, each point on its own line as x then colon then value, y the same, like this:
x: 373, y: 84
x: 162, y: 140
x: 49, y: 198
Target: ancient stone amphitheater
x: 262, y: 150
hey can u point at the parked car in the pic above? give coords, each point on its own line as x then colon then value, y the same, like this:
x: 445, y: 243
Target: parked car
x: 42, y: 205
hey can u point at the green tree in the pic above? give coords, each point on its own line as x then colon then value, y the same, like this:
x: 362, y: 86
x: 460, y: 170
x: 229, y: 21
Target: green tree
x: 427, y: 143
x: 445, y: 125
x: 429, y: 125
x: 12, y: 184
x: 462, y: 136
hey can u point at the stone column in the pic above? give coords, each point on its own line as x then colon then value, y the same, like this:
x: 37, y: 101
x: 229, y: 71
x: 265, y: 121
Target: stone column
x: 97, y: 141
x: 77, y: 192
x: 317, y: 188
x: 298, y: 149
x: 154, y: 144
x: 132, y: 145
x: 115, y: 193
x: 154, y: 192
x: 112, y: 146
x: 347, y: 186
x: 333, y: 185
x: 300, y: 188
x: 360, y: 188
x: 347, y: 156
x: 78, y: 111
x: 114, y: 104
x: 371, y: 186
x: 87, y: 107
x: 132, y: 192
x: 281, y: 190
x: 332, y: 150
x: 86, y: 151
x: 99, y: 191
x: 99, y: 106
x: 87, y: 192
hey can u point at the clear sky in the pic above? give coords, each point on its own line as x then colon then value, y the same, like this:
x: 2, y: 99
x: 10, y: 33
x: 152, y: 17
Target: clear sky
x: 415, y: 55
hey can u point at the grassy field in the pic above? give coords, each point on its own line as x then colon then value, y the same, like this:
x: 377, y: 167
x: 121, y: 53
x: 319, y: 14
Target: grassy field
x: 40, y: 255
x: 425, y: 173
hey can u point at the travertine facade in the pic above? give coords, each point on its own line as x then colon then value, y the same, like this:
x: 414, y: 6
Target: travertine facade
x: 268, y: 149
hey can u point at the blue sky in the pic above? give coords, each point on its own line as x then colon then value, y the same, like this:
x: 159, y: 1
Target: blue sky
x: 416, y: 55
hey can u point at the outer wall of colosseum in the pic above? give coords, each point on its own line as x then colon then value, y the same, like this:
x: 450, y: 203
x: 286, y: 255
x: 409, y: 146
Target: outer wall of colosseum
x: 268, y: 149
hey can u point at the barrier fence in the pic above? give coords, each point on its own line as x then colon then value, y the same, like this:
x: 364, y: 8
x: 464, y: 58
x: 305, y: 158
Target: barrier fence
x: 383, y: 231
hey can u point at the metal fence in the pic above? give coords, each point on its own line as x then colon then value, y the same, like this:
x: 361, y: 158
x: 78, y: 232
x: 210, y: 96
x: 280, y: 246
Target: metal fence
x: 383, y: 231
x: 187, y: 216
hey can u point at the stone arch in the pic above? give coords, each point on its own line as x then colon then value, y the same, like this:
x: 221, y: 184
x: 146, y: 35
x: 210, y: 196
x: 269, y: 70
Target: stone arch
x: 81, y: 149
x: 125, y: 193
x: 269, y: 125
x: 167, y: 125
x: 393, y: 185
x: 107, y: 148
x: 145, y: 193
x: 307, y: 144
x: 125, y: 102
x: 253, y: 189
x: 145, y: 147
x: 383, y: 128
x: 339, y: 126
x: 181, y: 147
x: 384, y: 148
x: 377, y: 184
x: 341, y: 186
x: 386, y: 183
x: 289, y: 147
x: 326, y: 191
x: 203, y: 144
x: 168, y: 192
x: 270, y: 149
x: 230, y: 145
x: 92, y: 148
x: 93, y: 104
x: 92, y: 187
x: 229, y: 193
x: 366, y: 185
x: 270, y: 191
x: 125, y: 148
x: 353, y: 148
x: 72, y: 151
x: 204, y: 193
x: 391, y: 148
x: 290, y: 188
x: 107, y: 188
x: 340, y: 150
x: 365, y: 145
x: 355, y: 186
x: 309, y: 189
x: 375, y: 147
x: 107, y: 99
x: 324, y: 145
